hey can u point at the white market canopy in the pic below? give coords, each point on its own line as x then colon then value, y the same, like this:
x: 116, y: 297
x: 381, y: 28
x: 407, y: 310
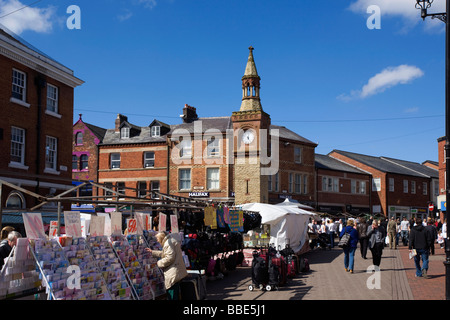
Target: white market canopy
x: 295, y: 203
x: 288, y: 224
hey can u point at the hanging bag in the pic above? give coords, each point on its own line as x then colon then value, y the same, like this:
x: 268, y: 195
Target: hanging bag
x: 345, y: 240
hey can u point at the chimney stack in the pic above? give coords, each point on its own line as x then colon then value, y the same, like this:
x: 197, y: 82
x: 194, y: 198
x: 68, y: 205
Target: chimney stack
x: 189, y: 114
x: 120, y: 118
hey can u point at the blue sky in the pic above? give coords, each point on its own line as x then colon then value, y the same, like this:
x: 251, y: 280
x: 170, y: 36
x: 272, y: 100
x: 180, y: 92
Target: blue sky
x: 324, y: 73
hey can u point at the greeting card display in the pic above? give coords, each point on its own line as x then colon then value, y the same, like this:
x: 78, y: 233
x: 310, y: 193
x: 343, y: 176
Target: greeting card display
x: 150, y: 237
x: 19, y: 275
x: 110, y: 267
x: 153, y: 274
x: 53, y: 265
x: 90, y: 285
x: 133, y: 268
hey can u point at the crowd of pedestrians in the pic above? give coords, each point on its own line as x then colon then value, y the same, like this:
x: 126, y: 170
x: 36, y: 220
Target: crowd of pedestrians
x: 377, y: 234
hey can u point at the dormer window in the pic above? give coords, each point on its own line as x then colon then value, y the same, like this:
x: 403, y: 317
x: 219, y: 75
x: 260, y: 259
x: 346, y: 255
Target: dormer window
x: 124, y: 133
x: 156, y: 131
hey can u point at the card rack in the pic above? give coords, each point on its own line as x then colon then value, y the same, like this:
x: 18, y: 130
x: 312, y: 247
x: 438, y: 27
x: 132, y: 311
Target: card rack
x: 109, y: 265
x: 19, y: 277
x: 153, y: 274
x: 92, y: 284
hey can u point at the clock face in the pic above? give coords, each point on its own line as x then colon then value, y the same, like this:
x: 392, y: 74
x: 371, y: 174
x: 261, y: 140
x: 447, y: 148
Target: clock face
x: 248, y: 137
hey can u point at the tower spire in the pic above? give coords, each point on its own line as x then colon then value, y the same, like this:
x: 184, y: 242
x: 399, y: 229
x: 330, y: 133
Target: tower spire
x: 251, y: 86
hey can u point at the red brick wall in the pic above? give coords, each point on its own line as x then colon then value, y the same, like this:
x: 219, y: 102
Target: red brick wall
x: 387, y: 198
x: 89, y: 147
x: 199, y: 171
x: 345, y: 195
x: 132, y: 166
x: 12, y: 114
x: 442, y: 167
x: 287, y: 165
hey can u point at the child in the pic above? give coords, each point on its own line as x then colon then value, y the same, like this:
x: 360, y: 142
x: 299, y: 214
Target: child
x: 440, y: 239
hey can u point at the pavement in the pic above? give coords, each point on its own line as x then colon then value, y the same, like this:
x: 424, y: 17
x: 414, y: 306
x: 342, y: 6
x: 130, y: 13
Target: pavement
x: 327, y: 279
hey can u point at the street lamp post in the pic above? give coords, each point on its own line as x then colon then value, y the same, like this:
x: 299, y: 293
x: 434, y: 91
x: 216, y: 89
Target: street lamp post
x: 424, y: 5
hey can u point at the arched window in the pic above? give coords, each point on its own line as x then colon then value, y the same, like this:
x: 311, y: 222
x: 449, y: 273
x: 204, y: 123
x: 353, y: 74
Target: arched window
x: 79, y: 138
x: 15, y: 201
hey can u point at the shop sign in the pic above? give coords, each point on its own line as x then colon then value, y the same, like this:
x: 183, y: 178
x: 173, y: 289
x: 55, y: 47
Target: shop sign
x: 400, y: 209
x: 199, y: 194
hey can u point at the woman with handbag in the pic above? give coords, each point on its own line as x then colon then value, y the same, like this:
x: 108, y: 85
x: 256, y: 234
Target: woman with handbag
x: 349, y: 242
x: 377, y: 235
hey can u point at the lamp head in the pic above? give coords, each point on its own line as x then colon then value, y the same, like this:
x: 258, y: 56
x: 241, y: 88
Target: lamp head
x: 423, y: 5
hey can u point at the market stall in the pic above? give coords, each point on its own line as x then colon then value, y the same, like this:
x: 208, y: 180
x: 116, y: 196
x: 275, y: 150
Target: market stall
x: 288, y: 223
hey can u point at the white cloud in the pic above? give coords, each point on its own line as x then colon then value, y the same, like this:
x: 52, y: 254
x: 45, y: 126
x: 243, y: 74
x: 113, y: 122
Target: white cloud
x: 149, y: 4
x: 387, y: 78
x: 412, y: 110
x: 125, y: 16
x: 127, y: 13
x: 405, y: 9
x: 19, y: 19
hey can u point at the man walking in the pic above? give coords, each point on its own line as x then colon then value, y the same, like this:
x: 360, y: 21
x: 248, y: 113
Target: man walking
x: 392, y: 232
x: 420, y: 240
x: 404, y: 229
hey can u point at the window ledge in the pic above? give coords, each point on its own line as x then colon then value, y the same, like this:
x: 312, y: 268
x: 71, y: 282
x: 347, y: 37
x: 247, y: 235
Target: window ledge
x: 17, y: 165
x: 19, y: 102
x: 53, y: 114
x: 52, y: 171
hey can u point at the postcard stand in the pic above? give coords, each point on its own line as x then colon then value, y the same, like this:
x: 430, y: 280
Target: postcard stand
x: 52, y: 265
x: 19, y: 277
x: 92, y: 285
x: 152, y: 272
x: 118, y: 283
x: 144, y: 275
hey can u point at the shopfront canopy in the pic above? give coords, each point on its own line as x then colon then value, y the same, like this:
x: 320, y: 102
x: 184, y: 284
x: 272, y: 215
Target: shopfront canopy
x: 288, y: 224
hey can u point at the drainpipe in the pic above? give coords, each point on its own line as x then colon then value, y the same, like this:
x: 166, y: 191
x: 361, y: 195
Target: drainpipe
x: 40, y: 83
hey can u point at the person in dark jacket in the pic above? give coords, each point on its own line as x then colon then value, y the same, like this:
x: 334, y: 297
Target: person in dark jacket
x: 377, y: 236
x: 363, y: 239
x: 420, y: 240
x: 431, y: 227
x: 349, y: 251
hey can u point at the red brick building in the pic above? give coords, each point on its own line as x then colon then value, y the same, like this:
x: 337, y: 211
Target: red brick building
x: 341, y: 188
x: 225, y: 159
x: 36, y: 115
x: 85, y: 155
x: 133, y: 160
x: 198, y: 157
x: 441, y: 201
x: 399, y: 188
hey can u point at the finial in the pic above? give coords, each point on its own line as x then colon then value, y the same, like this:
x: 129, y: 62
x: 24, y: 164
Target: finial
x: 251, y: 48
x: 80, y: 114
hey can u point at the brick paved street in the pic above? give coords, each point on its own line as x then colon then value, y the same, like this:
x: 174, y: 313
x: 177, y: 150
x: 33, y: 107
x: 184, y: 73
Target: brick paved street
x: 328, y: 280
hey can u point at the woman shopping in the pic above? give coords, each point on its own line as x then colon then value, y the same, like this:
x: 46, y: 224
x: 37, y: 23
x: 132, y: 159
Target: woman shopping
x: 349, y: 250
x: 171, y: 262
x: 377, y: 238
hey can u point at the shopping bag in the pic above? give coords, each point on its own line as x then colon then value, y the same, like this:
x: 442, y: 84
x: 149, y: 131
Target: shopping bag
x: 412, y: 253
x: 345, y: 240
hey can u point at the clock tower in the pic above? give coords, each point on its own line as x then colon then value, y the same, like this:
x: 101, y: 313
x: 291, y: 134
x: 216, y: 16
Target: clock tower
x: 251, y: 136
